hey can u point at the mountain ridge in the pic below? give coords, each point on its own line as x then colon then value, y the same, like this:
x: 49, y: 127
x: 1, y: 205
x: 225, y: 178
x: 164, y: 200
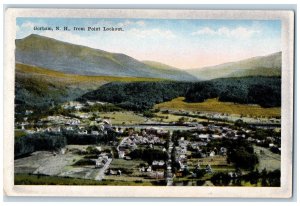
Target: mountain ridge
x: 268, y: 65
x: 61, y: 56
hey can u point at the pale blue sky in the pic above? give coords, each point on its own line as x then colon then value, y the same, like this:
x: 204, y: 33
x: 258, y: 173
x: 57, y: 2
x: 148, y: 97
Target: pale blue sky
x: 187, y: 43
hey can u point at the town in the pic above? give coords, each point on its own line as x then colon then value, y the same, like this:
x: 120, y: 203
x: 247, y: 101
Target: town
x: 86, y: 141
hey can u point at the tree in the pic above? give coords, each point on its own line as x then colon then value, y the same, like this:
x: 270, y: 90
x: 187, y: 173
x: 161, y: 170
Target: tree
x: 274, y: 178
x: 199, y: 172
x: 220, y: 179
x: 185, y: 171
x: 241, y: 153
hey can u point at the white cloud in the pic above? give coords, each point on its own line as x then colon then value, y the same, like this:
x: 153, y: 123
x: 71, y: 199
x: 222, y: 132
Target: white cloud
x: 205, y: 30
x: 152, y: 33
x: 28, y: 25
x: 128, y: 23
x: 238, y: 32
x: 26, y: 29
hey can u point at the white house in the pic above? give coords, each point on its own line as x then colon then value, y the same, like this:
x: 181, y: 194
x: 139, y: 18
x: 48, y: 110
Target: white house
x: 203, y: 137
x: 149, y: 169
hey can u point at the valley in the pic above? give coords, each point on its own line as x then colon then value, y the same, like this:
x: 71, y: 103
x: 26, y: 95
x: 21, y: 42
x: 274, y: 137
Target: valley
x: 85, y: 116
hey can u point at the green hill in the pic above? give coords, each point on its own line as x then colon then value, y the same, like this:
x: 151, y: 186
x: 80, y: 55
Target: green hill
x: 76, y: 59
x: 40, y: 87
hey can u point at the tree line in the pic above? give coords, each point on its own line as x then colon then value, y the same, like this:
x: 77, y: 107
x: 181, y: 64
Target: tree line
x: 265, y: 178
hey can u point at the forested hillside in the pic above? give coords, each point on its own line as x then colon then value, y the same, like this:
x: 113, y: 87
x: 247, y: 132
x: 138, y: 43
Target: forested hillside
x: 37, y: 87
x: 265, y: 91
x: 137, y: 96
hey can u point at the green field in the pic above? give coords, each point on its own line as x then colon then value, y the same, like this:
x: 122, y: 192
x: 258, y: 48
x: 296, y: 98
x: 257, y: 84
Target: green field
x: 217, y: 163
x: 126, y: 117
x: 125, y: 163
x: 213, y: 105
x: 27, y: 179
x: 130, y: 169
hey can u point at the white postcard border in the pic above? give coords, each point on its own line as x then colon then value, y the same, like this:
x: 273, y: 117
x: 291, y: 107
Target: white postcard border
x: 284, y: 191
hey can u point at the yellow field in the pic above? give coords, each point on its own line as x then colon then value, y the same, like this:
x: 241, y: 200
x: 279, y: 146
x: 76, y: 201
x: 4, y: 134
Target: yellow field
x: 213, y: 161
x: 77, y: 78
x: 213, y: 105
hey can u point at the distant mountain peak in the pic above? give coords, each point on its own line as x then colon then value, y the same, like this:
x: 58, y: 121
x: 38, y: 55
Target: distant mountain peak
x: 268, y: 65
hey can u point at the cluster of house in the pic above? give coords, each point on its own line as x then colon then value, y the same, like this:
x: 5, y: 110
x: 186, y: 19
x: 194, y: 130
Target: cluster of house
x: 78, y: 105
x: 156, y: 170
x: 150, y: 136
x: 131, y: 142
x: 73, y: 105
x: 181, y: 153
x: 211, y: 132
x: 218, y: 132
x: 271, y: 142
x: 57, y: 123
x: 60, y: 119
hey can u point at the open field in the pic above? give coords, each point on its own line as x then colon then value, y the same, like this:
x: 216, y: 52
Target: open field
x: 218, y: 163
x: 130, y: 168
x: 126, y: 117
x: 267, y: 159
x: 131, y: 118
x: 216, y: 160
x: 125, y: 163
x: 44, y: 162
x: 213, y: 105
x: 56, y: 164
x: 42, y: 168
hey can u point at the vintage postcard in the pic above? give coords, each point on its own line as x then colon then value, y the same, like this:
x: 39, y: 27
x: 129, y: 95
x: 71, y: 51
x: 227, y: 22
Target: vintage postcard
x: 148, y: 103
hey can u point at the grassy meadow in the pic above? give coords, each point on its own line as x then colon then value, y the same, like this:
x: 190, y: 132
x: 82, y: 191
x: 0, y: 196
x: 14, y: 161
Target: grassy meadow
x: 213, y: 105
x: 123, y: 117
